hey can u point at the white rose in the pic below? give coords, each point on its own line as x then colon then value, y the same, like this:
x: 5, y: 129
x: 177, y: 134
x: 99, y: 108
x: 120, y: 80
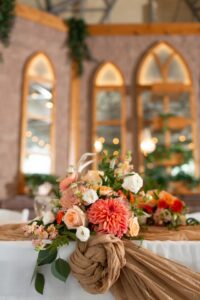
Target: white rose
x: 90, y: 196
x: 132, y: 183
x: 83, y: 233
x: 48, y: 217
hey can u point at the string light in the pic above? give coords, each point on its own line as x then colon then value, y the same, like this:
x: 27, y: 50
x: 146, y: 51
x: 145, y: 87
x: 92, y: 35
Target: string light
x: 49, y: 104
x: 115, y: 141
x: 155, y: 140
x: 35, y: 138
x: 182, y: 138
x: 115, y: 153
x: 29, y: 133
x: 102, y: 140
x: 41, y: 143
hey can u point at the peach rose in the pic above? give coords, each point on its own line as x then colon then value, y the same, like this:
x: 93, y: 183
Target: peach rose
x: 167, y: 197
x: 105, y: 191
x: 93, y: 177
x: 74, y: 218
x: 133, y: 226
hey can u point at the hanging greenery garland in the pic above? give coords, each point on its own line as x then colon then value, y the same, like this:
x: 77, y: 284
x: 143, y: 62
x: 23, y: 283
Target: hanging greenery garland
x: 7, y: 17
x: 76, y: 42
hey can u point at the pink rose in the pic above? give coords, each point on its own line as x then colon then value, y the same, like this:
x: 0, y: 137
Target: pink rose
x: 66, y: 182
x: 69, y: 199
x: 74, y: 218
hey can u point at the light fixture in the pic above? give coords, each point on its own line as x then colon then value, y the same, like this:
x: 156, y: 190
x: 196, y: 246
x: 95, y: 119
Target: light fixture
x: 98, y: 146
x: 147, y: 144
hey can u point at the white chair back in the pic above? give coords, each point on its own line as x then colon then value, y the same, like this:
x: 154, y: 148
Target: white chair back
x: 11, y: 217
x: 195, y: 215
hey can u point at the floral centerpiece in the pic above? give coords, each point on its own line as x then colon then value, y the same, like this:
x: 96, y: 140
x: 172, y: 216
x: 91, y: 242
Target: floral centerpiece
x: 93, y: 202
x: 160, y: 208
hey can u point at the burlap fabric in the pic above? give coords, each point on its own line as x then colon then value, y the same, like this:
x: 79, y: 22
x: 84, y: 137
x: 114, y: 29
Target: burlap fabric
x: 142, y: 275
x: 14, y: 232
x: 130, y: 272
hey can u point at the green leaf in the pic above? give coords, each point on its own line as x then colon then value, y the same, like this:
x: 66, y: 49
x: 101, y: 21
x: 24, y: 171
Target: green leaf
x: 60, y: 269
x: 39, y: 283
x: 34, y: 273
x: 60, y: 241
x: 47, y: 256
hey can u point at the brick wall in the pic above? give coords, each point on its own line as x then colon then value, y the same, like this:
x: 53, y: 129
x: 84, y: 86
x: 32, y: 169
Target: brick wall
x: 126, y: 52
x: 28, y: 38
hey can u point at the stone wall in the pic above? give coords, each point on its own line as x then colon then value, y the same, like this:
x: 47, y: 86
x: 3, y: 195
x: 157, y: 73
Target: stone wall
x: 28, y: 38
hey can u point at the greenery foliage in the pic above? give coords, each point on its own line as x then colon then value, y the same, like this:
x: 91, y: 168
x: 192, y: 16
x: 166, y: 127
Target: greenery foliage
x: 156, y: 174
x: 33, y: 181
x: 76, y: 42
x: 7, y: 17
x: 59, y: 267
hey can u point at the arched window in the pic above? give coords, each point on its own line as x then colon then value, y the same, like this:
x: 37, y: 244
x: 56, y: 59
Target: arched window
x: 165, y: 112
x: 108, y: 113
x: 37, y: 139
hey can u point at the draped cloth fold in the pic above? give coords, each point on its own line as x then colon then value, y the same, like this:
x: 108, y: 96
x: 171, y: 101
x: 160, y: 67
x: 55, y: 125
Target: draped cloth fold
x: 106, y: 262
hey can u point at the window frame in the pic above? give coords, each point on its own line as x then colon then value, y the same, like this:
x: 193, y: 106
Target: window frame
x: 24, y: 115
x: 170, y: 88
x: 117, y: 122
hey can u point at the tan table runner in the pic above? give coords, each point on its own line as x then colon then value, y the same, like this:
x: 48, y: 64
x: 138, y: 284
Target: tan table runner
x: 14, y: 232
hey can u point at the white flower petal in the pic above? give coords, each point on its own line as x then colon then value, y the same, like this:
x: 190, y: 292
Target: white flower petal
x: 48, y: 217
x: 90, y: 196
x: 83, y: 233
x: 133, y: 183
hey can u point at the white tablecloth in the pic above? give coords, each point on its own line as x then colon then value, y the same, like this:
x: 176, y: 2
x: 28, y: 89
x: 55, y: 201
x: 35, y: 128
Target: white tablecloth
x: 17, y: 261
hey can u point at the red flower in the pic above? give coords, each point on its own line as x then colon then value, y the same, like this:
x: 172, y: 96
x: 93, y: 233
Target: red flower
x: 132, y: 198
x: 177, y: 206
x: 148, y: 209
x: 59, y: 217
x: 162, y: 204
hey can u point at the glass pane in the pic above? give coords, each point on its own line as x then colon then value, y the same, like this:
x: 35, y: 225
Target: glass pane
x: 108, y: 105
x: 38, y: 136
x: 36, y: 163
x: 40, y: 99
x: 109, y: 75
x: 112, y: 136
x: 152, y: 105
x: 177, y: 71
x: 40, y: 67
x: 180, y: 105
x: 163, y: 52
x: 184, y: 136
x: 150, y: 72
